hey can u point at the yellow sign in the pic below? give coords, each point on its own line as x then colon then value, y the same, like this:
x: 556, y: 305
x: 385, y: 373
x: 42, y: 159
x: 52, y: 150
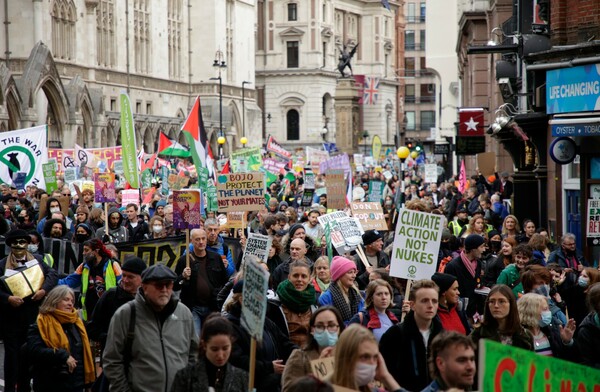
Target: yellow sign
x: 376, y: 147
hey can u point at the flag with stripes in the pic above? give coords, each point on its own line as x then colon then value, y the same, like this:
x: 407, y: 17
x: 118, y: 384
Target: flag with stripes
x: 171, y: 148
x: 195, y: 134
x: 371, y: 90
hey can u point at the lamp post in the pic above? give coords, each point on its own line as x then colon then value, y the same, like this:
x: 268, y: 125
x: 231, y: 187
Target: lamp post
x: 365, y: 136
x: 402, y: 154
x: 219, y: 63
x: 244, y: 83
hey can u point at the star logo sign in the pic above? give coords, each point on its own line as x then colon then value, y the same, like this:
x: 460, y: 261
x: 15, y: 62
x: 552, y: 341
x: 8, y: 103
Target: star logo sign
x: 471, y: 125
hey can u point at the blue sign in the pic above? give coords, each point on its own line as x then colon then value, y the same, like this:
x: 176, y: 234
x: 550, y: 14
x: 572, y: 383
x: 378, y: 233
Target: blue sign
x: 574, y: 89
x: 576, y: 129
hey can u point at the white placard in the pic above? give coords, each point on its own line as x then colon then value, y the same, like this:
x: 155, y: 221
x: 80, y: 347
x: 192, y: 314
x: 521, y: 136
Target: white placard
x: 254, y: 299
x: 431, y: 174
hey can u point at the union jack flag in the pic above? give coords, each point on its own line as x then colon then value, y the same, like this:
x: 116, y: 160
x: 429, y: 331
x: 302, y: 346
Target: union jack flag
x: 371, y: 91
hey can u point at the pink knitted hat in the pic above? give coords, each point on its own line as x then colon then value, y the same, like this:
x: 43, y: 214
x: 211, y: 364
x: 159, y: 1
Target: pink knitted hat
x: 339, y: 266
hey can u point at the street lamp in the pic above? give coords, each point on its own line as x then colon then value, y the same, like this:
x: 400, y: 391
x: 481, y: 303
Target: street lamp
x: 219, y: 63
x: 365, y: 136
x: 243, y: 140
x: 402, y: 154
x: 244, y: 114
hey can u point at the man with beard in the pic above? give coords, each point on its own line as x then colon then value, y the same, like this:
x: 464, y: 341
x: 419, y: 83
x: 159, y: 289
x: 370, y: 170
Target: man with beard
x: 55, y: 229
x: 451, y: 362
x: 568, y: 256
x: 18, y: 313
x: 116, y: 231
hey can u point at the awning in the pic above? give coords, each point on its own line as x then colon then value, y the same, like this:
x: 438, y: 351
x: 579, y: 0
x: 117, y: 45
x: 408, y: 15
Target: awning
x: 575, y: 126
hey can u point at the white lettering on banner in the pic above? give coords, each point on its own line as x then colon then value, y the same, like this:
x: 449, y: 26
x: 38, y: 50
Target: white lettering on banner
x: 575, y: 89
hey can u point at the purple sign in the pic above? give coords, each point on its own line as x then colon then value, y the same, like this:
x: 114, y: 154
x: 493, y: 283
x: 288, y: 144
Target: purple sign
x: 338, y: 162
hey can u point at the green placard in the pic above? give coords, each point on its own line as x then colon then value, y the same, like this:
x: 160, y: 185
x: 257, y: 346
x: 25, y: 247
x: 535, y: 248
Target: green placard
x: 505, y: 368
x: 146, y: 178
x: 164, y: 175
x: 203, y: 178
x: 376, y: 190
x: 211, y: 195
x: 49, y: 170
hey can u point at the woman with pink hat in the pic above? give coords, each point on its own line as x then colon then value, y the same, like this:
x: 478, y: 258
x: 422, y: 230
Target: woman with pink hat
x: 342, y: 293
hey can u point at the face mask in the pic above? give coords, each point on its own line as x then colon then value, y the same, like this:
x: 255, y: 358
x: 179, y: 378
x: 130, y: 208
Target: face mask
x: 21, y: 219
x: 543, y: 290
x: 157, y: 228
x: 98, y: 205
x: 54, y: 209
x: 388, y: 203
x: 583, y: 282
x: 90, y: 257
x: 326, y: 338
x: 32, y: 248
x: 364, y: 373
x: 81, y: 237
x: 36, y: 205
x: 546, y: 318
x: 495, y: 245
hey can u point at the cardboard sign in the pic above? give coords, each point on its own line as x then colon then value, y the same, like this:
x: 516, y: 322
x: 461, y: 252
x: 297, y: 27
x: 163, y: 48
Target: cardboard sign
x: 49, y: 170
x: 346, y: 232
x: 234, y: 220
x: 129, y: 196
x: 241, y: 191
x: 336, y: 189
x: 322, y: 367
x: 177, y: 182
x: 505, y: 368
x: 370, y: 216
x: 257, y: 245
x: 431, y: 172
x: 416, y: 244
x: 104, y: 184
x: 593, y: 222
x: 486, y: 162
x: 186, y: 209
x: 254, y: 299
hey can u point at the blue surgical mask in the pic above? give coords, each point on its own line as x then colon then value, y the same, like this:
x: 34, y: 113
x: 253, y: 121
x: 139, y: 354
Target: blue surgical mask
x: 546, y: 318
x: 97, y: 205
x: 326, y: 338
x: 583, y: 282
x: 543, y: 290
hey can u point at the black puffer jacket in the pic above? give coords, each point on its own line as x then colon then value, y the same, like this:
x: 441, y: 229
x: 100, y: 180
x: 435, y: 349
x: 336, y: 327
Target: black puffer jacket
x: 588, y: 341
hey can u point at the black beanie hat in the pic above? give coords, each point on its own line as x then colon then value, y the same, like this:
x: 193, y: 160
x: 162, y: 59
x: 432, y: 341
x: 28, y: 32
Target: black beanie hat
x: 135, y: 265
x: 473, y: 241
x: 444, y: 281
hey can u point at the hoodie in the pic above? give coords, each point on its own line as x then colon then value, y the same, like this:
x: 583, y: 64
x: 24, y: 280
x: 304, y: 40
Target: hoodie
x: 116, y: 234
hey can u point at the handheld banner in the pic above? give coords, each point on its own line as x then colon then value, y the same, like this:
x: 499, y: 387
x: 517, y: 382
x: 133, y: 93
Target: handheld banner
x: 186, y: 209
x: 254, y: 299
x: 104, y: 185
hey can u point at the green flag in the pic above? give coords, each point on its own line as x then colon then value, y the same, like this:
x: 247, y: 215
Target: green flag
x: 130, y: 162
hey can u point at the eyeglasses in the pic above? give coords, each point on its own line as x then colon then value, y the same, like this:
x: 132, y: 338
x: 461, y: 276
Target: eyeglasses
x: 161, y: 284
x: 66, y: 194
x: 20, y: 242
x: 330, y: 327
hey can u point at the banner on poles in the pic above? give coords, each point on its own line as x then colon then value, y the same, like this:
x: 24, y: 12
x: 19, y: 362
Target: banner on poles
x: 24, y: 151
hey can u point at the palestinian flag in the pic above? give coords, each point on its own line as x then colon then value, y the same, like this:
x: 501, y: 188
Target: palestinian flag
x: 195, y: 134
x: 170, y: 147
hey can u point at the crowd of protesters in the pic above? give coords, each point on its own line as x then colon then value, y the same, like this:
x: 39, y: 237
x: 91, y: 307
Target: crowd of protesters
x: 498, y: 277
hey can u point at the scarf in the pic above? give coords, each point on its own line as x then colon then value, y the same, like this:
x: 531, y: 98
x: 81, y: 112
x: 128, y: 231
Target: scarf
x: 339, y: 301
x: 53, y: 335
x: 470, y: 265
x: 294, y: 300
x: 12, y: 263
x: 322, y: 285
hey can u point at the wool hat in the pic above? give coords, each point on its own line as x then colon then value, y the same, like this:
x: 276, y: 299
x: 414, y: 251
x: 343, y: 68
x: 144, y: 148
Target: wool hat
x: 85, y: 227
x: 135, y: 265
x: 294, y: 228
x: 493, y: 233
x: 444, y: 281
x: 371, y: 236
x: 238, y: 286
x: 83, y: 209
x: 158, y: 272
x: 161, y: 203
x: 339, y: 266
x: 446, y: 234
x: 15, y: 235
x: 473, y: 241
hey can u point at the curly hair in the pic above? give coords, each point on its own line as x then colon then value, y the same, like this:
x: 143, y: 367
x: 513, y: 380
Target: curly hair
x: 530, y: 306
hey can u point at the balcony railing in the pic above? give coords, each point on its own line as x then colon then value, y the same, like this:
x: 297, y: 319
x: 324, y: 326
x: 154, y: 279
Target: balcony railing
x: 422, y: 99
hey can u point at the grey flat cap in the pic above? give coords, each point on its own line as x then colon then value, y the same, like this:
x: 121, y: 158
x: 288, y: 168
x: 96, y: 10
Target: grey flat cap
x: 158, y: 272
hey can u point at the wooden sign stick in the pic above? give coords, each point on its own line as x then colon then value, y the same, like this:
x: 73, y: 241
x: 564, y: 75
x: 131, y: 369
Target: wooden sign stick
x: 252, y: 366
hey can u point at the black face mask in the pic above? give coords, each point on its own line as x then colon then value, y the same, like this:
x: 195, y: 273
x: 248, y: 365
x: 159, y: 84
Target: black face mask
x: 21, y: 219
x: 495, y: 246
x: 82, y: 237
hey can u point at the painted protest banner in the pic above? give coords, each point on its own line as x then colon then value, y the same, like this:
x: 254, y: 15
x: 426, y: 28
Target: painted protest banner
x: 65, y: 157
x: 240, y: 191
x: 273, y: 166
x: 252, y: 155
x: 593, y: 222
x: 104, y: 184
x: 338, y: 162
x: 416, y: 244
x: 49, y: 170
x: 370, y: 215
x: 254, y: 299
x: 276, y: 148
x: 129, y: 196
x: 431, y: 174
x: 24, y: 151
x: 336, y: 189
x: 186, y: 209
x: 257, y: 245
x: 322, y: 367
x: 506, y: 368
x: 376, y: 190
x: 176, y: 182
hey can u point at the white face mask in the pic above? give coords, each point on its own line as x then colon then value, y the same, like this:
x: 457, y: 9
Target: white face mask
x: 54, y: 209
x: 32, y: 248
x: 364, y: 373
x: 157, y: 228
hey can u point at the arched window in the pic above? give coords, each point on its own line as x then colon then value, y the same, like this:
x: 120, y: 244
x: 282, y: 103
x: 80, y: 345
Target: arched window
x: 105, y: 33
x: 293, y: 125
x: 175, y: 21
x: 63, y: 29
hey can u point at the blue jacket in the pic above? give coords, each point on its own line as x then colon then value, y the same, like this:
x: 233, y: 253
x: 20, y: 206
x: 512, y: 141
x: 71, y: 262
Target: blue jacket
x: 326, y: 299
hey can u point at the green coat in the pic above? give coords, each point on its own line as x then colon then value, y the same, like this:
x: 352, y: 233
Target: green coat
x: 511, y: 277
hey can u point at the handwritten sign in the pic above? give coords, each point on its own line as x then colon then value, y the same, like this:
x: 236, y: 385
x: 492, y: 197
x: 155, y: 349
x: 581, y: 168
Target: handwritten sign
x: 234, y: 220
x: 346, y: 232
x: 416, y: 244
x: 370, y: 216
x: 257, y: 245
x: 186, y: 209
x: 254, y: 299
x: 322, y: 367
x: 336, y: 189
x: 505, y: 368
x: 104, y: 184
x: 431, y: 174
x: 177, y: 182
x: 129, y: 196
x: 240, y: 191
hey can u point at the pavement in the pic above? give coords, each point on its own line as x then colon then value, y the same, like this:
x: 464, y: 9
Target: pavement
x: 1, y: 366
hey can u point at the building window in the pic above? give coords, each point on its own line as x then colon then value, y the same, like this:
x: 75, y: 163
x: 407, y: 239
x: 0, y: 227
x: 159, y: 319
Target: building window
x: 409, y: 40
x: 423, y: 9
x: 141, y: 35
x: 410, y: 18
x: 293, y: 125
x: 324, y: 54
x: 63, y: 29
x: 410, y: 120
x: 105, y: 33
x: 422, y: 39
x: 174, y: 17
x: 427, y: 119
x: 148, y: 107
x: 113, y: 104
x: 292, y: 54
x: 409, y: 93
x: 292, y: 12
x: 428, y: 92
x: 138, y: 107
x: 423, y: 66
x: 409, y: 64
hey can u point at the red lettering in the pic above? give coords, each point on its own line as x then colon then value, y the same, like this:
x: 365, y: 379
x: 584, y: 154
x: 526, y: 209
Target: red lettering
x: 565, y: 385
x: 507, y: 365
x: 581, y: 387
x: 531, y: 377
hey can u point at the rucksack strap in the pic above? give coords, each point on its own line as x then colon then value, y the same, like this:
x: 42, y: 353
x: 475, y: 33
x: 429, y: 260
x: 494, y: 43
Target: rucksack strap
x: 130, y: 336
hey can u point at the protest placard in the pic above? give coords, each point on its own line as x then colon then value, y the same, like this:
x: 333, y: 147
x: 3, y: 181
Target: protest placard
x: 322, y: 367
x: 177, y: 182
x: 273, y: 166
x: 49, y: 170
x: 506, y: 368
x: 376, y: 190
x: 104, y: 185
x: 240, y: 191
x: 338, y: 162
x: 70, y: 174
x: 118, y: 167
x: 309, y: 180
x: 87, y: 185
x: 370, y: 215
x: 307, y: 197
x: 431, y: 172
x: 336, y: 189
x: 254, y: 299
x: 315, y: 157
x: 186, y: 209
x: 129, y: 196
x: 593, y: 225
x: 273, y: 146
x: 211, y: 197
x: 257, y: 245
x: 252, y: 156
x: 416, y: 244
x: 346, y: 232
x: 235, y: 220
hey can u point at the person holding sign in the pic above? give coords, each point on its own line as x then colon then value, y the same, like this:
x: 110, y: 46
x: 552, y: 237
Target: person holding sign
x: 326, y: 324
x: 373, y: 242
x: 212, y: 370
x: 342, y: 292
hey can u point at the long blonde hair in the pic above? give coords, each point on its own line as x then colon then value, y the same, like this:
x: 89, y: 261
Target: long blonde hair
x: 347, y: 353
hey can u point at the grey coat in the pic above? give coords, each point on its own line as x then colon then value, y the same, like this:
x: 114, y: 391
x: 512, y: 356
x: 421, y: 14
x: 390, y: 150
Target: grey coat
x: 194, y: 378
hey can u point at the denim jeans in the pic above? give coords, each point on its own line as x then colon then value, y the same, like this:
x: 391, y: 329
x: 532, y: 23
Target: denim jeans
x: 199, y: 313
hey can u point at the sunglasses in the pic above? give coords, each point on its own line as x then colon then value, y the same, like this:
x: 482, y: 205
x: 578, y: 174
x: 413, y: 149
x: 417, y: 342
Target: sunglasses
x: 20, y: 242
x: 66, y: 194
